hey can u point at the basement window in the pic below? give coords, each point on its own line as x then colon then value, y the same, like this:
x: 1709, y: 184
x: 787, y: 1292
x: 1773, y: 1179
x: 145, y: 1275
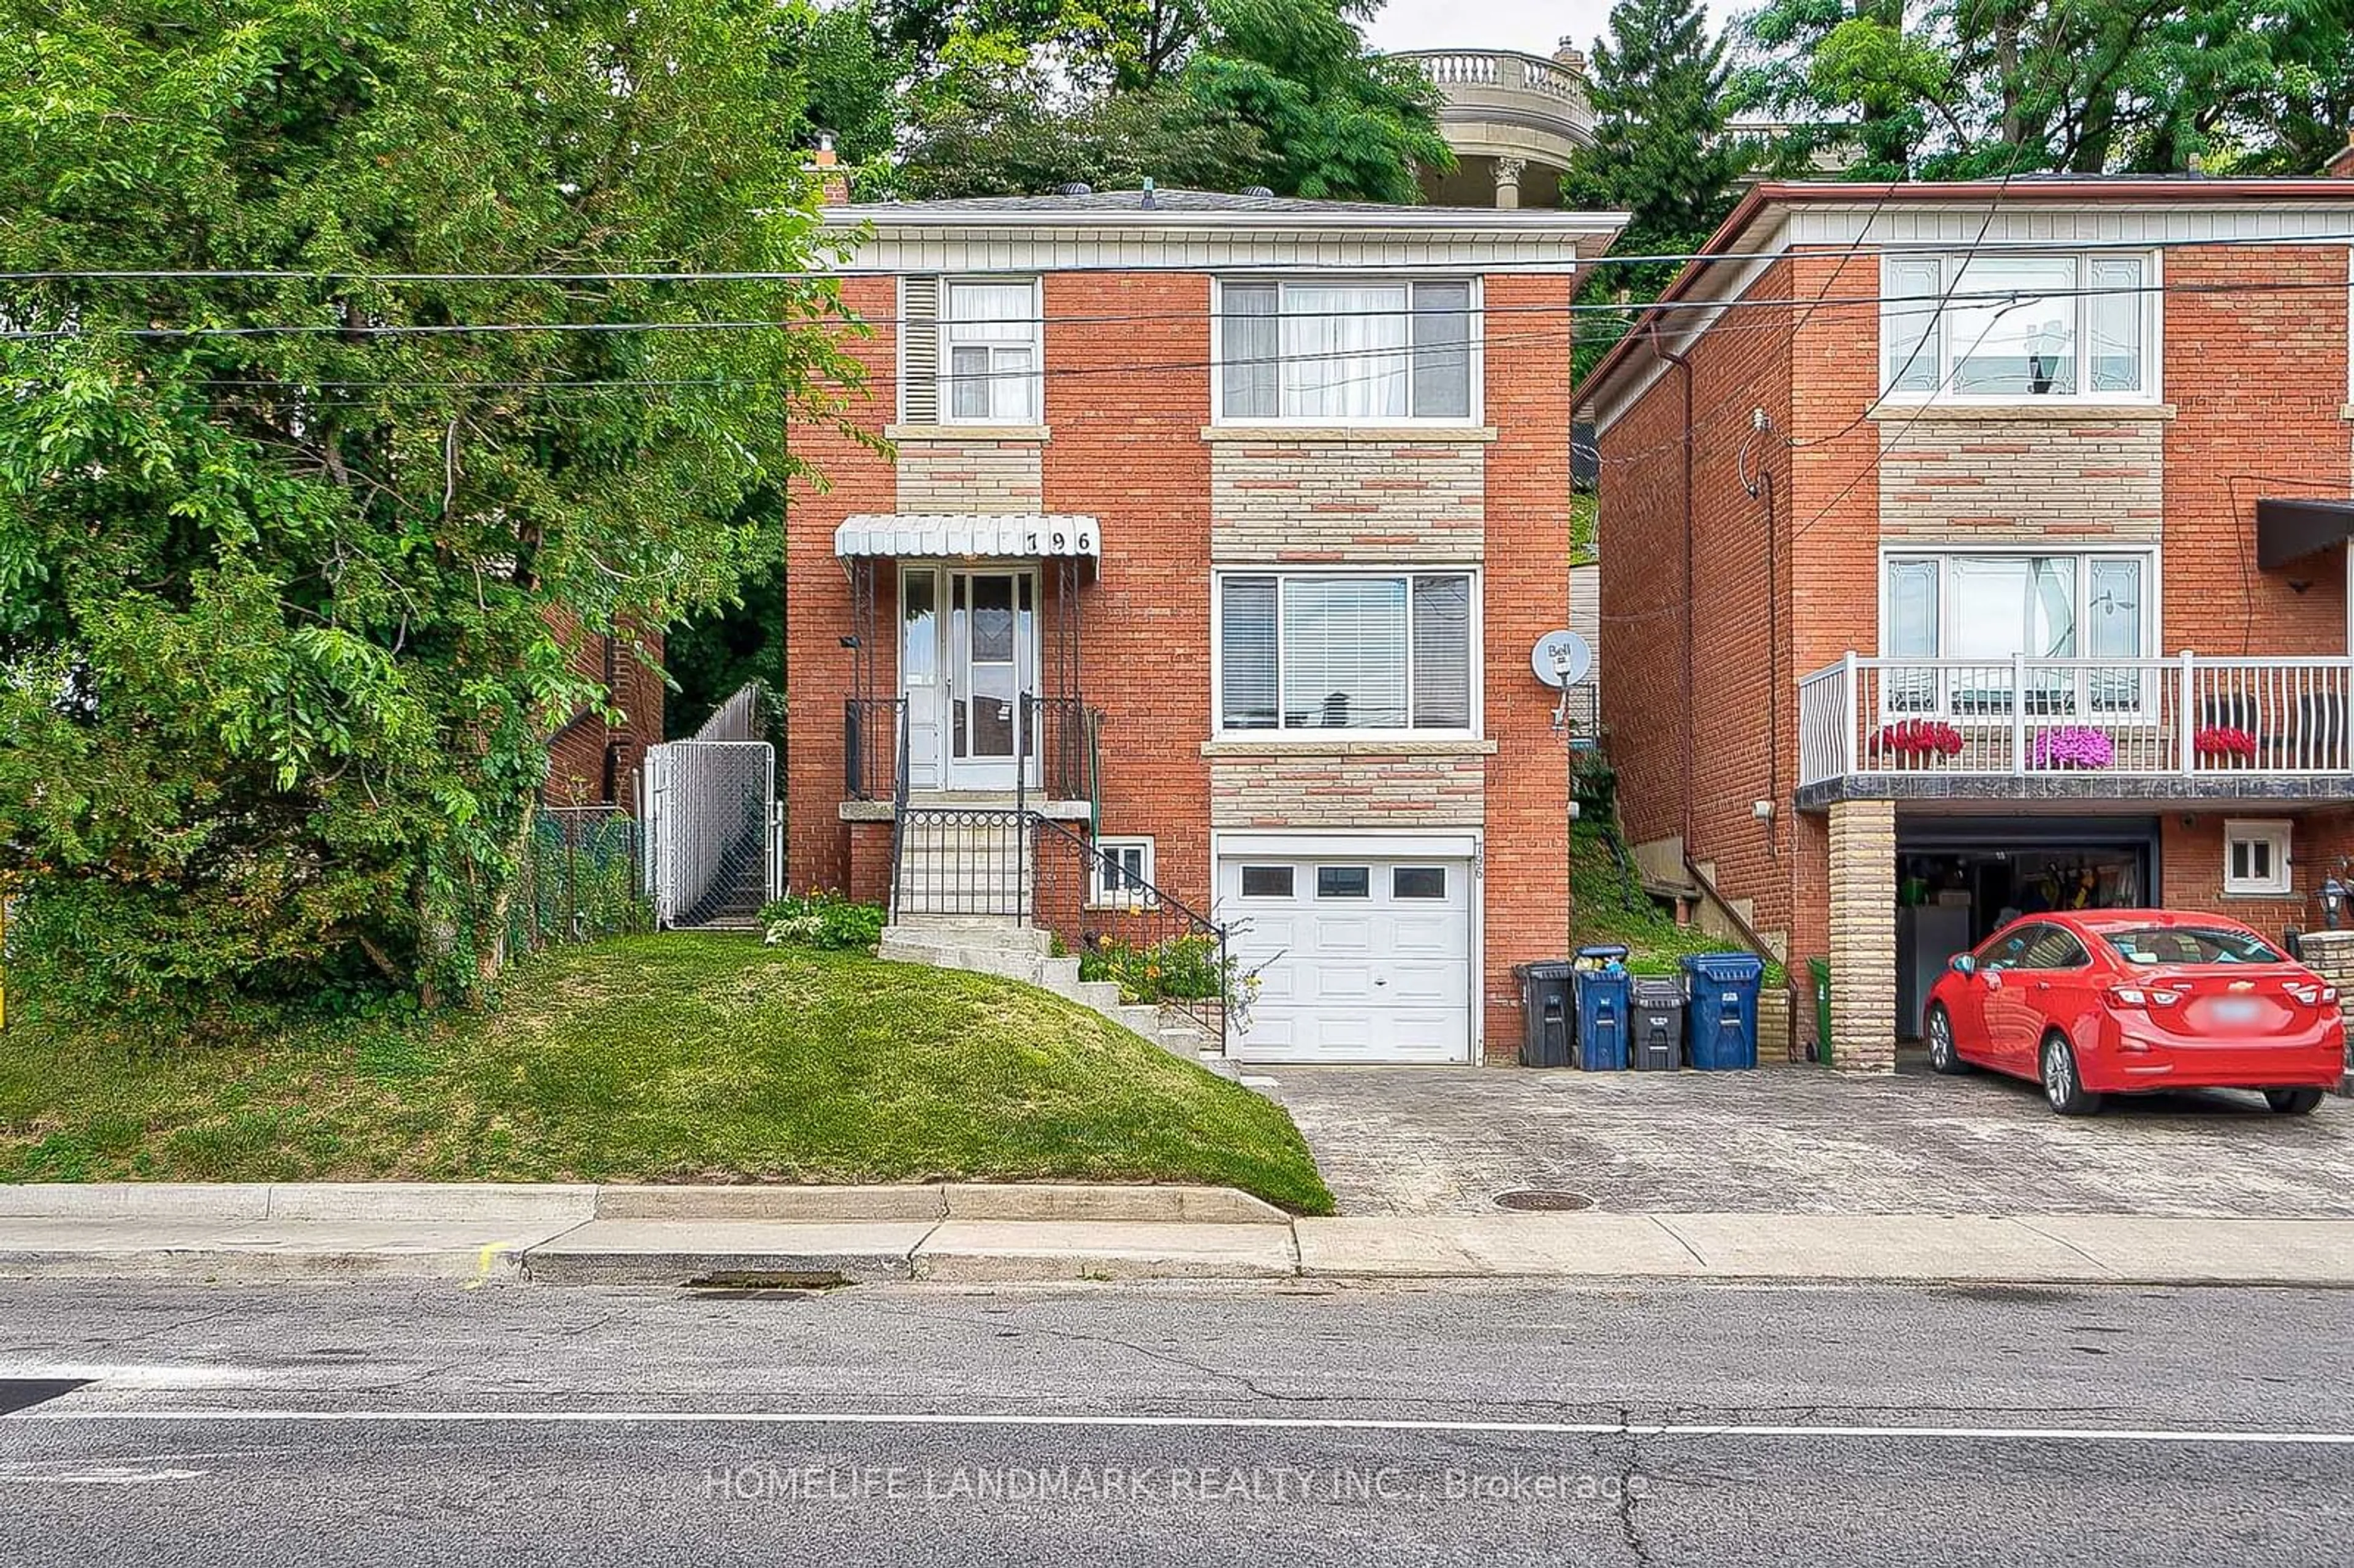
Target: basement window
x: 2255, y: 857
x: 1123, y: 874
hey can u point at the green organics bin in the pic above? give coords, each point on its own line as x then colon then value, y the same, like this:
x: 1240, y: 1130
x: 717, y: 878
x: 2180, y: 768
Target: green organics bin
x: 1819, y: 971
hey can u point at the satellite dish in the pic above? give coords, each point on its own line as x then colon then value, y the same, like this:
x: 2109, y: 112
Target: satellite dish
x: 1561, y: 659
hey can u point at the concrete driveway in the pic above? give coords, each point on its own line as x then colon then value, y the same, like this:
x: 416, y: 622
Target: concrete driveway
x: 1795, y: 1139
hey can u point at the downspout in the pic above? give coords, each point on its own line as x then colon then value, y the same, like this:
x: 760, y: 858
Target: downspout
x: 1685, y: 824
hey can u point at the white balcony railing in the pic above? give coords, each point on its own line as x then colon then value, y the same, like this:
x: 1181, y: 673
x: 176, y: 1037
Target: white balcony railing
x: 1505, y: 70
x: 2131, y: 716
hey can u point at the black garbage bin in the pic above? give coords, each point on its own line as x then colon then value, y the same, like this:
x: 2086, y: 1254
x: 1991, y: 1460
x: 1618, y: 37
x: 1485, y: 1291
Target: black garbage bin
x: 1544, y: 1004
x: 1655, y: 1024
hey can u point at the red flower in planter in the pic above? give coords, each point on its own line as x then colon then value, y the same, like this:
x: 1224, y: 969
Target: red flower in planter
x: 2224, y: 743
x: 1919, y: 738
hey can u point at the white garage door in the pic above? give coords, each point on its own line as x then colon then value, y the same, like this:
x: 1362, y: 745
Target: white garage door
x: 1364, y: 959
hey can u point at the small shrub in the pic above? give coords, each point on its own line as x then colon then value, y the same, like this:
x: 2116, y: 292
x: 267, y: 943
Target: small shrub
x: 824, y: 920
x: 1182, y: 969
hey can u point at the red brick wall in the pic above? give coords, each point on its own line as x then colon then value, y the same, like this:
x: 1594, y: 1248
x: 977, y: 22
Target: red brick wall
x: 817, y: 673
x: 1742, y: 747
x: 579, y: 771
x: 2191, y: 864
x: 2258, y: 381
x: 1128, y: 451
x: 1525, y: 594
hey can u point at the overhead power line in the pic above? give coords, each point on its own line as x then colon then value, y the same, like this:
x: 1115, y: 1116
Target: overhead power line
x: 820, y: 274
x: 1573, y: 308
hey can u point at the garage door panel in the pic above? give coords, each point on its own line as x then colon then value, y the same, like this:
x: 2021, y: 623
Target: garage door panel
x: 1374, y: 977
x: 1428, y: 982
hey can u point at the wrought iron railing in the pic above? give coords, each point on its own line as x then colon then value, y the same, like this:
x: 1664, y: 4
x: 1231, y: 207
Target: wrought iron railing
x: 961, y: 862
x: 1125, y: 930
x: 874, y: 748
x: 1060, y: 732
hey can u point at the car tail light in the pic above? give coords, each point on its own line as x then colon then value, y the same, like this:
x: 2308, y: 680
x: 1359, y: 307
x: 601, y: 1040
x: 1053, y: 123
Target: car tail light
x: 2143, y: 995
x: 2314, y: 995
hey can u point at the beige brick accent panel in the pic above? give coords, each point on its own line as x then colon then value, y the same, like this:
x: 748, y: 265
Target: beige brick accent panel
x: 2025, y: 478
x: 972, y: 475
x: 1321, y: 790
x: 1305, y: 500
x: 1864, y: 935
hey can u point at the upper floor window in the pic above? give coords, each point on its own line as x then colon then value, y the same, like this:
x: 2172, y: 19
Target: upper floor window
x: 1987, y: 608
x: 989, y: 332
x: 1336, y: 352
x: 1360, y: 651
x: 2019, y: 326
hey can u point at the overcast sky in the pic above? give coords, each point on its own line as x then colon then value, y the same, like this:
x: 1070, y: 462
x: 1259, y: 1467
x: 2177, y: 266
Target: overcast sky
x: 1533, y: 27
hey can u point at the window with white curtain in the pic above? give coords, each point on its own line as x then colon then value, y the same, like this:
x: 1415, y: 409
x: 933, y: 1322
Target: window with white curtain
x: 1355, y: 651
x: 990, y: 334
x: 1995, y: 327
x: 1987, y: 607
x: 1340, y: 353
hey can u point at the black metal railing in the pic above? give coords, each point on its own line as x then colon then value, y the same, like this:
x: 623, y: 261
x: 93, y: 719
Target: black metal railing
x: 1060, y: 732
x: 874, y: 748
x: 961, y: 861
x: 1125, y: 930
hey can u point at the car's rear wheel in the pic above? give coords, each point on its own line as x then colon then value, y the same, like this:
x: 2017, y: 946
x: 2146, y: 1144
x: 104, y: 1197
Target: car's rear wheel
x: 2063, y: 1085
x: 1944, y: 1056
x: 2293, y: 1102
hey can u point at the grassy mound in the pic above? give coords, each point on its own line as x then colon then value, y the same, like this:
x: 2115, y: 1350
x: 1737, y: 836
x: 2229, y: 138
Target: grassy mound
x: 655, y: 1058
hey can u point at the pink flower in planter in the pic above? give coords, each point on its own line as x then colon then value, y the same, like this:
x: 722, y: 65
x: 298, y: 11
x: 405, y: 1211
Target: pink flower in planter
x: 2072, y: 746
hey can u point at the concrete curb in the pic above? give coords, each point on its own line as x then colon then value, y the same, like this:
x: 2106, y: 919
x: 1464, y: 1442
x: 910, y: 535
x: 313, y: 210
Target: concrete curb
x: 660, y: 1249
x: 578, y: 1203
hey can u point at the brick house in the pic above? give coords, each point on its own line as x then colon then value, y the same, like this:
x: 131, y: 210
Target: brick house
x: 1214, y: 534
x: 1974, y: 549
x: 592, y: 761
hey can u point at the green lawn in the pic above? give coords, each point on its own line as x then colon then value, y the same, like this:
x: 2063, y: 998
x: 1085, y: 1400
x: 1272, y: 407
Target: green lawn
x: 662, y: 1058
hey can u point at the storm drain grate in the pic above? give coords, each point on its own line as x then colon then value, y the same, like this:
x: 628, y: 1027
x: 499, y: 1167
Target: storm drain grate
x: 1543, y: 1199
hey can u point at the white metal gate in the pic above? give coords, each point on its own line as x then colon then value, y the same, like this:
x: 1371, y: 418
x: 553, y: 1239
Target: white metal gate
x: 715, y: 832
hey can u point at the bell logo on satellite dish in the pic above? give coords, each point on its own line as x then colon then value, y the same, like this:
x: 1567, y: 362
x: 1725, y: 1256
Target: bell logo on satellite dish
x: 1561, y: 659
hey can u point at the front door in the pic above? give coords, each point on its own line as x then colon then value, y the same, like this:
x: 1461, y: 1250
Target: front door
x: 993, y: 628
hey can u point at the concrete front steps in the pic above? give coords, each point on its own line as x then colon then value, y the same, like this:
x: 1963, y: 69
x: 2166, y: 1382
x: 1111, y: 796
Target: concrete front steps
x: 998, y: 945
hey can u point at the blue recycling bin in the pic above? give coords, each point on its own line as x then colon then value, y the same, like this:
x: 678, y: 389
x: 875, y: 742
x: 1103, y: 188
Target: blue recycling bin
x: 1600, y: 1045
x: 1722, y: 1033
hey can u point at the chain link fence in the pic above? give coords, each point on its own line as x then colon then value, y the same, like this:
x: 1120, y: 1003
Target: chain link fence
x: 582, y: 879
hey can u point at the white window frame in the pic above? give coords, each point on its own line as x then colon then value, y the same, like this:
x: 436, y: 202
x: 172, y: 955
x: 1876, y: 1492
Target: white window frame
x: 2153, y: 316
x: 2152, y: 603
x: 1278, y: 737
x: 1102, y: 897
x: 1036, y: 345
x: 1477, y: 335
x: 2274, y: 833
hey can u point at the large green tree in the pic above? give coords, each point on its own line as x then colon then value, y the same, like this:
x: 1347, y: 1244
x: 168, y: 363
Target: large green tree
x: 1024, y: 95
x: 1966, y: 88
x: 296, y: 559
x: 1659, y: 153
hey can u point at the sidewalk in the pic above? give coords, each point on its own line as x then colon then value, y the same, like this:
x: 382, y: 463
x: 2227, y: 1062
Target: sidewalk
x: 1030, y: 1235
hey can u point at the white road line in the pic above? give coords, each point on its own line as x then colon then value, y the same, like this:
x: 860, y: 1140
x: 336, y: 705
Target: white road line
x: 1195, y: 1423
x: 106, y: 1478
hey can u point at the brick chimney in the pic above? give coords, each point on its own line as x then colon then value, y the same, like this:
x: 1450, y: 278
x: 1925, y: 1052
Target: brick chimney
x: 834, y: 180
x: 2342, y: 166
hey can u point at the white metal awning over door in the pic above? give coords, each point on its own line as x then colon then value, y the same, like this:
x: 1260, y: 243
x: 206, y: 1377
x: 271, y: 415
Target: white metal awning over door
x: 1024, y: 536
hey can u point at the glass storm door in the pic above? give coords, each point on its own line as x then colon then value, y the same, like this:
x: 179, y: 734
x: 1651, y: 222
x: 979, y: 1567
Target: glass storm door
x: 992, y: 629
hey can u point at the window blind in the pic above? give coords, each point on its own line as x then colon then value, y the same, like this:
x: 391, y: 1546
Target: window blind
x: 1442, y: 652
x: 1247, y: 654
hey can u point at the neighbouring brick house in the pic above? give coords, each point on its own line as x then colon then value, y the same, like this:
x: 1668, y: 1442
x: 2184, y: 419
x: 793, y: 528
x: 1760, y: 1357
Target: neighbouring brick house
x: 1216, y: 531
x: 592, y: 762
x: 1970, y: 549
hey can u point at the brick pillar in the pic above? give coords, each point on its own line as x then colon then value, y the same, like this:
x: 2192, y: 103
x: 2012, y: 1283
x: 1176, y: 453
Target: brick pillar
x: 2331, y: 955
x: 1864, y: 935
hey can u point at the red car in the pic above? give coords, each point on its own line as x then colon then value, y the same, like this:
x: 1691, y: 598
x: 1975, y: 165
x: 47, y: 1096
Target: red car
x: 2120, y: 1002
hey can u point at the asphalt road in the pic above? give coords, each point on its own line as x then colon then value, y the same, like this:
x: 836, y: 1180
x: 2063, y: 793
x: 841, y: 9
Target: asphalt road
x: 1819, y: 1426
